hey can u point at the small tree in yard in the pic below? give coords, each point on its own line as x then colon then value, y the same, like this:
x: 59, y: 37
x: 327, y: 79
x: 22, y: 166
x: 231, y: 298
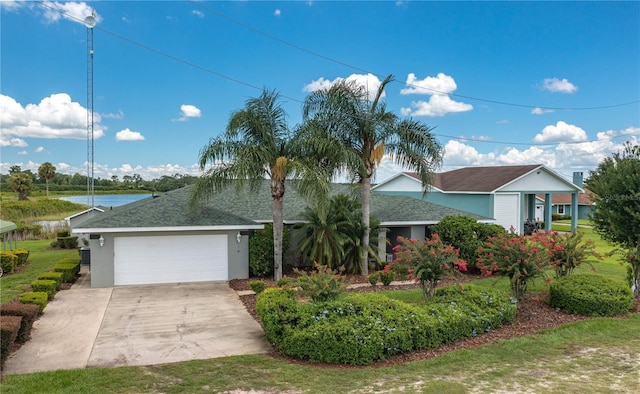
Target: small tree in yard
x: 428, y: 261
x: 520, y: 258
x: 567, y: 251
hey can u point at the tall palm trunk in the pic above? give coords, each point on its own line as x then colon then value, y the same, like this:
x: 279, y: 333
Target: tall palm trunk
x: 277, y: 192
x: 366, y: 208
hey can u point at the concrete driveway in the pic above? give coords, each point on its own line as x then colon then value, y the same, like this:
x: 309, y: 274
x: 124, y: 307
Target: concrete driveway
x: 138, y: 325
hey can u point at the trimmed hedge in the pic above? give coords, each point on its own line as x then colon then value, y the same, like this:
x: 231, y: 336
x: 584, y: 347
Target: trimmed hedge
x: 45, y: 286
x: 56, y: 276
x: 361, y: 328
x: 69, y: 269
x: 593, y: 295
x: 9, y: 327
x: 67, y: 242
x: 8, y: 261
x: 29, y: 314
x: 23, y: 255
x: 35, y: 297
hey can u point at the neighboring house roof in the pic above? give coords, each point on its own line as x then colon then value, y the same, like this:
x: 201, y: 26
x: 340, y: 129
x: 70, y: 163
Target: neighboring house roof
x: 230, y: 209
x: 585, y: 198
x: 482, y: 179
x: 6, y: 226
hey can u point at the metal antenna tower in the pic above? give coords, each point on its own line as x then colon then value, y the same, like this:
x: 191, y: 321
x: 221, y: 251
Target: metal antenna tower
x: 90, y: 22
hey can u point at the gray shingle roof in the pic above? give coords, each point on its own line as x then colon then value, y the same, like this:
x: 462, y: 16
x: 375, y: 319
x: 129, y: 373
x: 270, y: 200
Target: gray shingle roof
x: 478, y: 179
x: 229, y: 208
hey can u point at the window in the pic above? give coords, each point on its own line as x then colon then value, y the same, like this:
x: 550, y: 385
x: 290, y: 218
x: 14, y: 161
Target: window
x: 561, y: 209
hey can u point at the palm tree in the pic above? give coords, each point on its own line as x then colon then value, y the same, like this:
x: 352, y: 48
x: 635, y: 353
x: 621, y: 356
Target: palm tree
x: 358, y: 133
x: 333, y: 237
x: 258, y: 144
x: 21, y: 183
x: 47, y: 172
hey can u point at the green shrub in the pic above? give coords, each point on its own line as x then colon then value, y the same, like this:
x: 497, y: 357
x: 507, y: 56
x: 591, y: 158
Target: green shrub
x: 364, y: 327
x: 9, y: 328
x: 9, y: 261
x: 261, y: 250
x: 322, y: 284
x: 285, y: 282
x: 33, y: 297
x: 23, y: 255
x: 593, y: 295
x: 387, y: 277
x: 46, y: 286
x: 67, y: 242
x: 68, y: 270
x: 63, y: 234
x: 257, y: 286
x: 466, y: 311
x: 373, y: 278
x: 557, y: 216
x: 56, y: 276
x: 278, y: 310
x: 29, y: 314
x: 466, y: 234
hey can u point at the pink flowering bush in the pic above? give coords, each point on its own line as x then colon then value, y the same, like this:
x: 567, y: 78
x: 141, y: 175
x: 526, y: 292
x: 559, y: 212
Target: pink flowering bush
x: 428, y: 261
x: 567, y: 251
x: 520, y: 258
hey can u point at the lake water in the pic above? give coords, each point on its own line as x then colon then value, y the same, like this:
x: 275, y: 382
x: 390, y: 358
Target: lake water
x: 106, y: 200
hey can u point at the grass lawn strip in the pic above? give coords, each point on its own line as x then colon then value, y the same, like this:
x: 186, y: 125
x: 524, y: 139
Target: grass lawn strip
x: 556, y: 360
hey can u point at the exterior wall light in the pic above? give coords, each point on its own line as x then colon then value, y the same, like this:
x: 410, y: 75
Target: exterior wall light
x: 239, y: 237
x: 101, y: 240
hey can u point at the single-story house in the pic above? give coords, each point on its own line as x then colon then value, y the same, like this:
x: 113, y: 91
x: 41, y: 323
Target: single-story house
x: 505, y: 193
x: 76, y: 219
x: 159, y: 240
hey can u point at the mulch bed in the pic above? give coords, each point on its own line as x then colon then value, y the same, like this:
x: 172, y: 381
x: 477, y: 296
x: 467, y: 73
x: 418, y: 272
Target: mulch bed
x: 534, y: 314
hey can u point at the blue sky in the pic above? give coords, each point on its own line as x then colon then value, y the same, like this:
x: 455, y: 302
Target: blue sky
x: 555, y: 83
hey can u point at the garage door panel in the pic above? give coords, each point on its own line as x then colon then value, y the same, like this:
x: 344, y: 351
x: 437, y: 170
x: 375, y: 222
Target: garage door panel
x: 507, y: 210
x: 170, y: 259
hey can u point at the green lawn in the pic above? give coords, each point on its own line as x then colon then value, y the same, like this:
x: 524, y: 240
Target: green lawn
x: 598, y: 355
x: 40, y: 260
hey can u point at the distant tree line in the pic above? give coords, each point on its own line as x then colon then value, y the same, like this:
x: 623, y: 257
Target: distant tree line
x: 25, y: 182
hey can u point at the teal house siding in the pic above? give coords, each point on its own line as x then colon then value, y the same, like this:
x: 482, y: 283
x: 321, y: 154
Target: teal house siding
x: 480, y: 204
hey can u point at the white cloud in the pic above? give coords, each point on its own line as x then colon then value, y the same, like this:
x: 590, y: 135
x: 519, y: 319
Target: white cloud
x: 437, y: 105
x: 369, y: 81
x: 188, y: 111
x: 198, y: 13
x: 540, y: 111
x: 277, y: 12
x: 55, y: 116
x: 73, y: 11
x: 111, y: 115
x: 23, y: 153
x: 39, y: 149
x: 128, y: 135
x: 441, y: 84
x: 561, y: 132
x: 11, y: 5
x: 559, y: 85
x: 17, y: 142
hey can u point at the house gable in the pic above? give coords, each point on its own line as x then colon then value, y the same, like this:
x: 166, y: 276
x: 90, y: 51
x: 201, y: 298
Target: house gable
x: 540, y: 179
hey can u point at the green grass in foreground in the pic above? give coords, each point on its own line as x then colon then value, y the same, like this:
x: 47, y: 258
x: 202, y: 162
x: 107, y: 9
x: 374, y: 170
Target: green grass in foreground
x: 597, y: 355
x: 40, y: 260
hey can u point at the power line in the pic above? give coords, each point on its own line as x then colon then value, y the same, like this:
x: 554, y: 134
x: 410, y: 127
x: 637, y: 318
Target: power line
x: 330, y: 59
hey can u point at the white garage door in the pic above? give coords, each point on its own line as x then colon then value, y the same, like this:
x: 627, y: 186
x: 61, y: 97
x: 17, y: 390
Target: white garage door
x: 170, y: 259
x: 507, y: 210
